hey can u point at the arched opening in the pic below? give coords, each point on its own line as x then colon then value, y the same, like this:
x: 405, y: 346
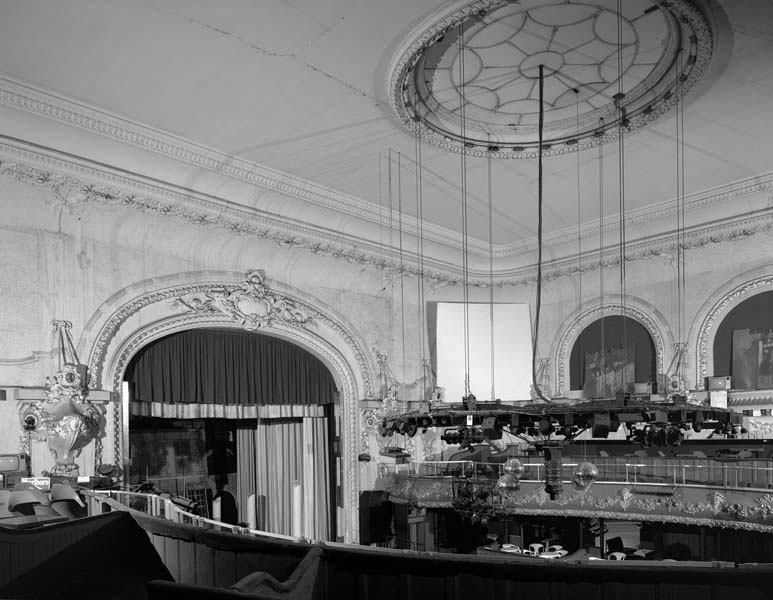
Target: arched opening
x: 221, y: 413
x: 612, y: 353
x: 743, y: 345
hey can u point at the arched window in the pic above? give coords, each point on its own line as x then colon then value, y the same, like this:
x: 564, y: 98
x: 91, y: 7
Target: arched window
x: 610, y: 354
x: 743, y: 345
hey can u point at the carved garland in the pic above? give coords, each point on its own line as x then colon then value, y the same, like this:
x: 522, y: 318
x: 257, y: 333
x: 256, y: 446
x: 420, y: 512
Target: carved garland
x: 575, y: 329
x: 719, y: 312
x: 238, y: 222
x: 276, y: 231
x: 208, y: 298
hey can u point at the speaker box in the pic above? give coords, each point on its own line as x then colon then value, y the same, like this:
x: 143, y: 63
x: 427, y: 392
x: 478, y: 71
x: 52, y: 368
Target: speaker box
x: 715, y: 384
x: 601, y: 425
x: 491, y: 429
x: 11, y: 463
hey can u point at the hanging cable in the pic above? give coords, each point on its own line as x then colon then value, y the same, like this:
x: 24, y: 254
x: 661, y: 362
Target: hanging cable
x: 402, y: 271
x: 463, y: 177
x: 621, y: 122
x: 491, y: 278
x: 680, y: 275
x: 420, y: 251
x: 390, y: 240
x: 538, y: 304
x: 579, y: 220
x: 601, y: 245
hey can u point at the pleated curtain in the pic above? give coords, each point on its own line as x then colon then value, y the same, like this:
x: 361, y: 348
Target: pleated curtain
x: 316, y: 479
x: 226, y: 373
x: 271, y: 456
x: 207, y: 373
x: 246, y: 467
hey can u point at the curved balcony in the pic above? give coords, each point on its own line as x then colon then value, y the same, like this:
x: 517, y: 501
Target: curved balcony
x: 693, y: 491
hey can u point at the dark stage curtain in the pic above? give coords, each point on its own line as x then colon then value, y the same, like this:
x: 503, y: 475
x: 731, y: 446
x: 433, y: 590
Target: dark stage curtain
x: 205, y: 366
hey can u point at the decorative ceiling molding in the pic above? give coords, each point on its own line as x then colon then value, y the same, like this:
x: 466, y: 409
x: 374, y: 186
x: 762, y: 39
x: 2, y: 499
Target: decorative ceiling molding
x: 163, y: 202
x: 45, y: 104
x: 499, y: 121
x: 48, y: 105
x: 207, y: 211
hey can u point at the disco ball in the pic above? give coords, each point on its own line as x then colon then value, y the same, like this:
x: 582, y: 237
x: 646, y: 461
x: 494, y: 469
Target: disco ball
x: 514, y: 466
x: 585, y: 475
x: 508, y: 486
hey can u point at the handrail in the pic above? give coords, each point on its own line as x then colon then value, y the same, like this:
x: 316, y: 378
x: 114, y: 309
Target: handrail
x: 162, y: 507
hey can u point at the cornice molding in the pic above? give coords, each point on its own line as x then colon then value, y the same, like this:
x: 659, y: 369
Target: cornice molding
x: 164, y: 201
x: 45, y: 104
x: 88, y: 183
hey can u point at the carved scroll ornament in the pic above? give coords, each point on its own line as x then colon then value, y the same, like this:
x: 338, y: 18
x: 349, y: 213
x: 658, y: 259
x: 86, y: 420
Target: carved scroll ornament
x: 252, y: 304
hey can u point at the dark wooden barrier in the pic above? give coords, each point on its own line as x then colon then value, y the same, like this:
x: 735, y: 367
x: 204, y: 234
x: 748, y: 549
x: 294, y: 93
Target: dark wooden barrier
x: 199, y: 557
x: 105, y: 556
x: 20, y: 550
x: 378, y: 574
x: 215, y: 558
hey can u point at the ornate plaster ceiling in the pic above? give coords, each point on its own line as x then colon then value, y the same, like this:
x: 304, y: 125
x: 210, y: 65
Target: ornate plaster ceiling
x: 470, y: 80
x: 279, y: 115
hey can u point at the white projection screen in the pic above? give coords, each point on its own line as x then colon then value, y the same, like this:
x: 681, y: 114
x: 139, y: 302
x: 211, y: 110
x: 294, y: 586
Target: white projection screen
x: 512, y: 350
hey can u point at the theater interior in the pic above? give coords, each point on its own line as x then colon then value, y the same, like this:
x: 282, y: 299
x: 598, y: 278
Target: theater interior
x: 427, y: 298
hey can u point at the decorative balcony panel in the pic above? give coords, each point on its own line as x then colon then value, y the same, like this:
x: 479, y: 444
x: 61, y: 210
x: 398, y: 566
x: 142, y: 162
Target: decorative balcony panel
x: 710, y: 506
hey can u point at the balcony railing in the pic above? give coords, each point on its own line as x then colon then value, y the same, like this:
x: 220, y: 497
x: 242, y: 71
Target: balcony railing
x: 670, y: 471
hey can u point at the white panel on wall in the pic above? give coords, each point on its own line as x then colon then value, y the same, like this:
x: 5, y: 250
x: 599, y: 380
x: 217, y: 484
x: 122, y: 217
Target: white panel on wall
x: 512, y: 350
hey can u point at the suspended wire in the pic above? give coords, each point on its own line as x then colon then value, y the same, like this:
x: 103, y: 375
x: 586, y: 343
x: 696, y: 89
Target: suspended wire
x: 601, y: 239
x: 680, y: 224
x: 621, y: 170
x: 463, y: 176
x: 420, y: 249
x: 380, y: 208
x: 491, y: 278
x: 391, y: 246
x: 402, y: 269
x: 538, y: 304
x: 579, y: 216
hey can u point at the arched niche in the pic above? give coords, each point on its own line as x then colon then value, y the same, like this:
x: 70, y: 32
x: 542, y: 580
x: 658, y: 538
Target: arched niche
x: 649, y: 318
x: 719, y: 307
x: 612, y: 331
x: 148, y: 310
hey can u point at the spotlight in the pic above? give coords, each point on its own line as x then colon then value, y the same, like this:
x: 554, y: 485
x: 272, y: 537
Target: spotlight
x: 452, y: 436
x: 546, y: 427
x: 407, y: 427
x: 30, y: 423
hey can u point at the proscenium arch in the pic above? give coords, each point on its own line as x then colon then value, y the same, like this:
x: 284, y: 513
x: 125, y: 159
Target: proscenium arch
x: 716, y: 308
x: 117, y: 332
x: 645, y: 315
